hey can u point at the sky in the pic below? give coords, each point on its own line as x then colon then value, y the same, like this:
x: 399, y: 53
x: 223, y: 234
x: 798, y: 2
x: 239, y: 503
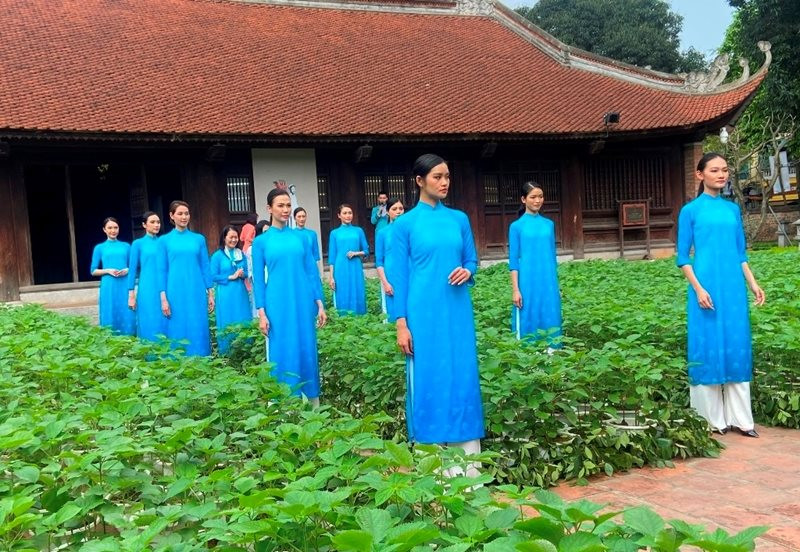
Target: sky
x: 704, y: 22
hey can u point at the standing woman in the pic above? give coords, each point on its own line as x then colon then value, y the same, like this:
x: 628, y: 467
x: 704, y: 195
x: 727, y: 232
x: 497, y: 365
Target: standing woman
x: 534, y: 273
x: 720, y: 347
x: 434, y: 259
x: 383, y: 264
x: 300, y: 219
x: 110, y: 263
x: 146, y: 298
x: 347, y: 247
x: 229, y: 273
x: 187, y: 293
x: 289, y: 304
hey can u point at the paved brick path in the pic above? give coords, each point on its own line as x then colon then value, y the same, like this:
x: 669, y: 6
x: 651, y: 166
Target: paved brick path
x: 753, y: 482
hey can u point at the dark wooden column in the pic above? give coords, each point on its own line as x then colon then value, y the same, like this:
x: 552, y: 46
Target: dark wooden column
x: 204, y: 189
x: 16, y: 267
x: 470, y: 199
x: 572, y: 204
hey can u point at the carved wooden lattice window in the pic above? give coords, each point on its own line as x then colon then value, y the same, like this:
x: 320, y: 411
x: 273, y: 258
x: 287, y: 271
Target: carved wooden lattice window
x: 609, y: 180
x: 505, y: 188
x: 322, y: 194
x: 239, y: 194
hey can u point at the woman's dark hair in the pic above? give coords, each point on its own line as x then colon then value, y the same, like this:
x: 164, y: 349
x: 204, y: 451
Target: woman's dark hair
x: 343, y: 206
x: 175, y: 204
x: 225, y: 231
x: 147, y: 214
x: 275, y: 193
x: 382, y: 192
x: 260, y: 225
x: 701, y: 166
x: 425, y: 164
x: 528, y: 186
x: 109, y: 219
x: 252, y: 218
x: 392, y: 201
x: 299, y: 210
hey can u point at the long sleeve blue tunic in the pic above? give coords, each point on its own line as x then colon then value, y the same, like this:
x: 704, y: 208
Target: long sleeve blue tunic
x: 184, y: 257
x: 350, y: 295
x: 720, y: 347
x: 385, y: 260
x: 113, y: 301
x: 379, y: 221
x: 289, y: 298
x: 150, y: 321
x: 443, y: 400
x: 313, y: 242
x: 532, y: 253
x: 232, y: 302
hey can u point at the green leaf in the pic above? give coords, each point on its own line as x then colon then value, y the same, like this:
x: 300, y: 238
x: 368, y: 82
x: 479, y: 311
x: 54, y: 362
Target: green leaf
x: 244, y: 484
x: 66, y: 513
x: 178, y: 487
x: 542, y: 528
x: 375, y: 522
x: 749, y: 535
x: 643, y: 520
x: 400, y: 454
x: 469, y: 525
x: 502, y: 519
x: 581, y: 542
x: 538, y: 545
x: 29, y: 474
x: 358, y: 541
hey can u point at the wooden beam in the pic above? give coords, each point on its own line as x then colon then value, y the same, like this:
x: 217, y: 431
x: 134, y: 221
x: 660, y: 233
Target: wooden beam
x: 73, y: 248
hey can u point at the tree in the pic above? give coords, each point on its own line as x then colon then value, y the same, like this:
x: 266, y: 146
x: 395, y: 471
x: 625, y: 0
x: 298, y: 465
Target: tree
x: 640, y: 32
x: 777, y: 21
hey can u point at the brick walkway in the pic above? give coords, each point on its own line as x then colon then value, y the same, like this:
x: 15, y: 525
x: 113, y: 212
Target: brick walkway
x: 753, y: 482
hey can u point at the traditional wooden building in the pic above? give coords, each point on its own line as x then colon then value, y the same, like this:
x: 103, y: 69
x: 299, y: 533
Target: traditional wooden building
x: 112, y: 107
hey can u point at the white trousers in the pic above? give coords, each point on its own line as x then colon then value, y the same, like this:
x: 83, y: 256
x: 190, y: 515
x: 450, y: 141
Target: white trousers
x: 471, y: 468
x: 723, y: 405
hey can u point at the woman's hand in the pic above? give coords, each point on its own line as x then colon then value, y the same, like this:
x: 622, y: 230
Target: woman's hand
x: 165, y: 310
x: 404, y: 340
x: 458, y: 276
x: 210, y: 302
x: 388, y: 289
x: 263, y: 324
x: 322, y: 317
x: 132, y: 300
x: 761, y: 297
x: 704, y: 299
x: 122, y: 272
x: 516, y: 298
x: 333, y: 284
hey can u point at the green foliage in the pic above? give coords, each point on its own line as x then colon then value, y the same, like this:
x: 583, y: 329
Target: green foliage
x: 110, y: 444
x: 640, y: 32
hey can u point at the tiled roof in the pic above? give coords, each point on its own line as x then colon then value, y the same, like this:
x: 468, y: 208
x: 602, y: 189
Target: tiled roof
x: 235, y: 68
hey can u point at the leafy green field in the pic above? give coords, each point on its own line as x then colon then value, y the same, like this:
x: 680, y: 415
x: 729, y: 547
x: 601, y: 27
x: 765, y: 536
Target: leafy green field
x: 109, y: 444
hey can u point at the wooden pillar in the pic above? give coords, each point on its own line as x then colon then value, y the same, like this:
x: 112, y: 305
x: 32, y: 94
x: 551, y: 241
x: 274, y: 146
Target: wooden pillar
x: 692, y: 152
x: 16, y: 264
x: 204, y: 189
x: 470, y: 199
x: 572, y: 204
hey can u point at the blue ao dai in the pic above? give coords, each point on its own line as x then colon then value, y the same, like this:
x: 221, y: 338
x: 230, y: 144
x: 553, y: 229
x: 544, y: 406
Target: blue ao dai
x: 184, y: 256
x: 443, y: 401
x: 150, y: 321
x: 288, y: 298
x: 350, y: 295
x: 313, y: 242
x: 113, y: 307
x: 232, y: 302
x: 720, y: 346
x: 532, y: 253
x: 384, y: 259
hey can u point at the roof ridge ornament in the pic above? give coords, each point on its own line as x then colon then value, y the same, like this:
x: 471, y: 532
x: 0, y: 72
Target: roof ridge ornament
x: 703, y: 82
x: 475, y: 7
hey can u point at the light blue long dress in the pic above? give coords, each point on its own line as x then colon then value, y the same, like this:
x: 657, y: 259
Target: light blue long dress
x: 289, y: 301
x: 232, y: 302
x: 350, y: 295
x: 443, y: 400
x: 150, y: 321
x: 311, y: 237
x: 380, y: 222
x: 184, y: 257
x: 384, y: 259
x: 532, y: 253
x: 720, y: 347
x: 113, y: 301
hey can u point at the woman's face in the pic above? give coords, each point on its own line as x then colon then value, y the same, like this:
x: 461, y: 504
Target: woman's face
x: 231, y: 239
x: 281, y: 209
x: 436, y: 183
x: 396, y: 210
x: 152, y: 225
x: 715, y: 174
x: 111, y: 230
x: 346, y: 215
x: 300, y: 219
x: 534, y: 200
x: 180, y: 217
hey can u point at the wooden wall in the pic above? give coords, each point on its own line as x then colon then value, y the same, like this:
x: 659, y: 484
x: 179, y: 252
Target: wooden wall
x: 15, y: 252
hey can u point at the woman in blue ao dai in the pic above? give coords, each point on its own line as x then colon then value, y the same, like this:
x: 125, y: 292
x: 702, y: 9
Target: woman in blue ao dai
x: 229, y: 273
x: 289, y: 304
x: 434, y: 258
x: 383, y: 258
x: 187, y: 294
x: 300, y: 219
x: 534, y: 271
x: 720, y: 345
x: 110, y: 263
x: 347, y: 247
x: 144, y: 281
